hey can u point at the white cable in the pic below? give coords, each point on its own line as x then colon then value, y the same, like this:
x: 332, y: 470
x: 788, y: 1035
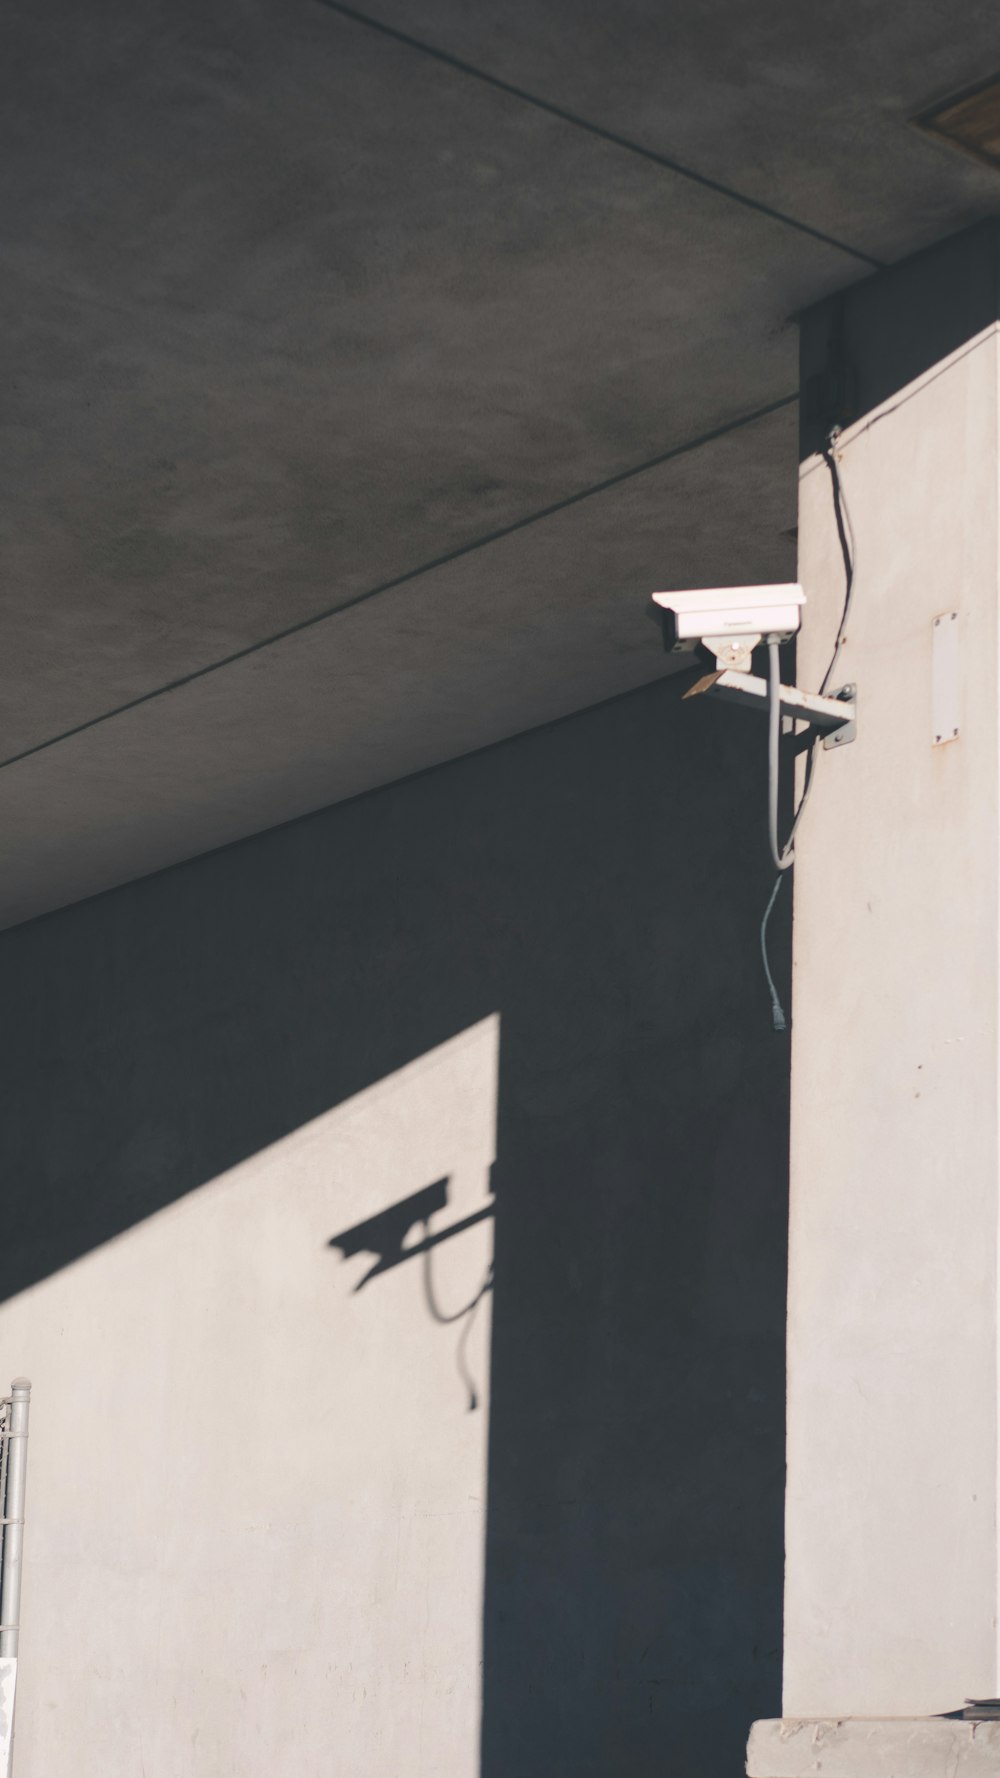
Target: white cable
x: 783, y: 859
x: 778, y: 1018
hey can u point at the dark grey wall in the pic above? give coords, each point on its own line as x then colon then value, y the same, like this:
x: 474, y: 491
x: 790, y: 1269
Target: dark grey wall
x: 599, y: 883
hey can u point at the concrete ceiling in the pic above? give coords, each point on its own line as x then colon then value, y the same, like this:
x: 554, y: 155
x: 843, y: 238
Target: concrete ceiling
x: 364, y: 372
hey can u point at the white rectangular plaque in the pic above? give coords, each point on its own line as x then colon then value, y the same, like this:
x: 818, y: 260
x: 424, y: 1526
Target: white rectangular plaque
x: 945, y: 686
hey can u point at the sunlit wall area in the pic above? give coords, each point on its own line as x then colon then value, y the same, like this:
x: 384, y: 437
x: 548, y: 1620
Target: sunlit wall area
x: 258, y: 1494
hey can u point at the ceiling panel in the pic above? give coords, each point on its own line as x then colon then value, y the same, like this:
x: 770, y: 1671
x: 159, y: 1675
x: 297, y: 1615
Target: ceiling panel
x: 545, y: 622
x: 803, y: 107
x: 289, y: 311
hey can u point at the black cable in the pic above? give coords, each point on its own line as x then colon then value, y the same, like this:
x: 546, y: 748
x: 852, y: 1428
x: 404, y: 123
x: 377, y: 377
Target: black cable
x: 847, y: 550
x: 845, y: 533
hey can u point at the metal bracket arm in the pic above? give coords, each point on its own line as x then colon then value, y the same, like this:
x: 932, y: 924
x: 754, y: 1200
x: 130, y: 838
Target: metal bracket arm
x: 828, y: 716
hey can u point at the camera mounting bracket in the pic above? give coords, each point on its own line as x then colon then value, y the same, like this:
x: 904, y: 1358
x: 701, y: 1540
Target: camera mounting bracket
x: 835, y: 717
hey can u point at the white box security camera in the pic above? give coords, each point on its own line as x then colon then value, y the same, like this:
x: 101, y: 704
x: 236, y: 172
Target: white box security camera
x: 730, y: 621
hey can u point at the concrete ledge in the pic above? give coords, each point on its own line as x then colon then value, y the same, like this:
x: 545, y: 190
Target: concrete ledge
x: 873, y: 1747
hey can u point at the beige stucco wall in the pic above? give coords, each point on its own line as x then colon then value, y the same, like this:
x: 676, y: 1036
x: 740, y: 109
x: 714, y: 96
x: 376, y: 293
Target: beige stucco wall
x: 891, y: 1590
x: 256, y: 1500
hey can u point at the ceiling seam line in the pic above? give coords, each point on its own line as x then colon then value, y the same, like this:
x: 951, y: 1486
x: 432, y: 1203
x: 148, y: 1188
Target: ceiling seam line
x: 411, y: 574
x: 605, y: 135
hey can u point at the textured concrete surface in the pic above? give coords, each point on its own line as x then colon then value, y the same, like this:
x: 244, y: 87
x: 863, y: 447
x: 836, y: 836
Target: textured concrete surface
x: 310, y: 311
x: 516, y: 633
x: 265, y: 1493
x: 803, y: 108
x: 292, y: 309
x: 891, y: 1747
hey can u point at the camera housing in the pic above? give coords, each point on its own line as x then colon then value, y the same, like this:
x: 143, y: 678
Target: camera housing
x: 728, y: 621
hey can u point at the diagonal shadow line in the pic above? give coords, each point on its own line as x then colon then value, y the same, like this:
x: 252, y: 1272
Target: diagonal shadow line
x: 595, y: 129
x: 398, y: 580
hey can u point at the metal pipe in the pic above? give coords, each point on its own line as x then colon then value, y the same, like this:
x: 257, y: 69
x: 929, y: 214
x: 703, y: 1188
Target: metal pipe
x: 783, y: 858
x: 13, y: 1515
